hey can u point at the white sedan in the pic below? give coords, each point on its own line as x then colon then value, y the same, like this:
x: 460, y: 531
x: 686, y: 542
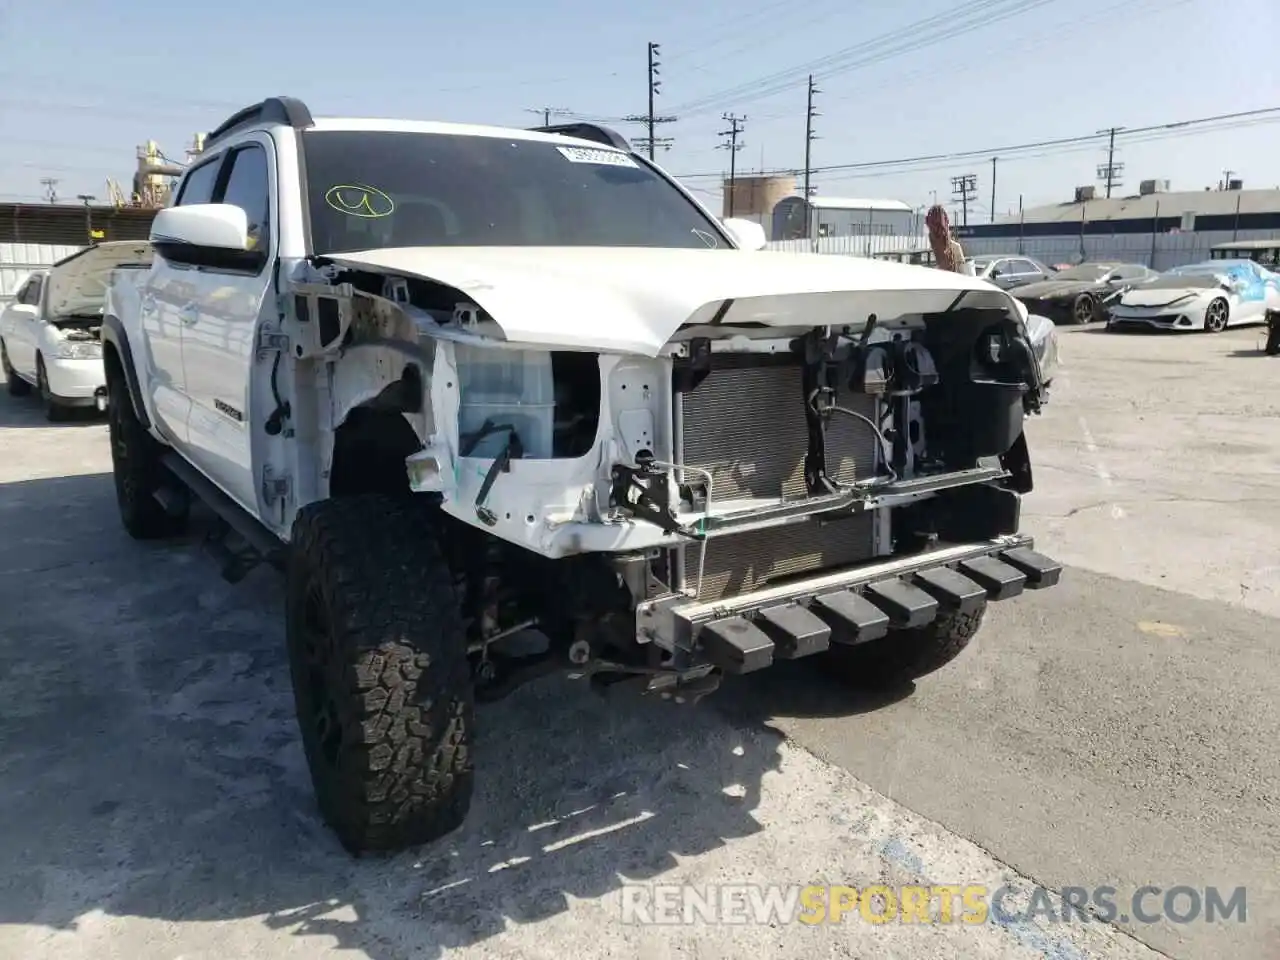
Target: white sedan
x: 1208, y: 296
x: 50, y: 335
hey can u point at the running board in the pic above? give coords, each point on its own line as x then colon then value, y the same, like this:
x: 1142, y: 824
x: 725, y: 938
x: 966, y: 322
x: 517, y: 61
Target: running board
x: 747, y: 633
x: 261, y: 545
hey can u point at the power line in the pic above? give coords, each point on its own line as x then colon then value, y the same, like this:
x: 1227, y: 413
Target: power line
x: 548, y: 112
x: 733, y: 145
x: 923, y: 33
x: 1006, y: 149
x: 1059, y: 151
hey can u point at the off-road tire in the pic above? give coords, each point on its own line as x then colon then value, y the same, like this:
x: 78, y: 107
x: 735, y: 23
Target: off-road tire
x: 16, y: 385
x: 1084, y: 309
x: 136, y: 467
x: 905, y: 655
x: 381, y: 681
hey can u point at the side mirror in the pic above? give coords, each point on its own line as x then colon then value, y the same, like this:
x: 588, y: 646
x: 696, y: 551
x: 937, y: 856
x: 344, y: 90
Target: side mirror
x: 206, y: 235
x: 746, y: 234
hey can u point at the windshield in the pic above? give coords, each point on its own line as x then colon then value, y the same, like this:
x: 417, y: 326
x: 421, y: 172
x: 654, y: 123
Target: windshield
x: 1206, y: 267
x: 373, y: 189
x: 1085, y: 271
x: 980, y: 265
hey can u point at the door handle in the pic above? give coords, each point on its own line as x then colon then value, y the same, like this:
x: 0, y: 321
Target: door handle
x: 189, y: 314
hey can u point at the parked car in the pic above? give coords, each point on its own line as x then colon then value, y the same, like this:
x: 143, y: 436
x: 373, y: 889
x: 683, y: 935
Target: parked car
x: 923, y: 258
x: 1209, y: 296
x: 1009, y: 271
x: 1079, y: 294
x: 51, y: 334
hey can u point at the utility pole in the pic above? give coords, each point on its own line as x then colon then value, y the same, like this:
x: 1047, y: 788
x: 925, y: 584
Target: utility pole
x: 964, y: 188
x: 548, y: 112
x: 1226, y: 179
x: 809, y: 137
x: 1110, y: 171
x: 993, y: 188
x: 733, y: 146
x: 651, y: 119
x: 88, y: 214
x: 50, y: 185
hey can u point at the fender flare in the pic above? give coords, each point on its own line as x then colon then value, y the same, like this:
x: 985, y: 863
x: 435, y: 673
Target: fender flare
x: 113, y: 332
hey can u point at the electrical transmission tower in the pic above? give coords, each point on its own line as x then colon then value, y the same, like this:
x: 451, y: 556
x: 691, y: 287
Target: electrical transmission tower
x: 548, y: 112
x: 964, y: 188
x: 651, y: 119
x: 733, y: 144
x: 809, y: 137
x: 50, y: 185
x: 1109, y: 172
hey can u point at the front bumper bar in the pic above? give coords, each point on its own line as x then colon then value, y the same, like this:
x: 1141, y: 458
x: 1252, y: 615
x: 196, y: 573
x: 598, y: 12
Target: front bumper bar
x: 746, y: 633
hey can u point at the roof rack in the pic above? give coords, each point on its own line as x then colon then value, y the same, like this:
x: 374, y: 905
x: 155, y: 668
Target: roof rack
x: 285, y: 110
x: 588, y: 131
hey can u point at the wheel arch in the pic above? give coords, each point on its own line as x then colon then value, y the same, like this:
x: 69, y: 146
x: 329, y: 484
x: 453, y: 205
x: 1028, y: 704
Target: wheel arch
x: 115, y: 348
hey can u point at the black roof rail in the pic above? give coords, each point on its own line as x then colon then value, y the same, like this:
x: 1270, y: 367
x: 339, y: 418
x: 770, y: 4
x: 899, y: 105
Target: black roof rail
x: 285, y: 110
x: 588, y: 131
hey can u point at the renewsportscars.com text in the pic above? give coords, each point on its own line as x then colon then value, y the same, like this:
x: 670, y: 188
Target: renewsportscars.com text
x: 938, y: 903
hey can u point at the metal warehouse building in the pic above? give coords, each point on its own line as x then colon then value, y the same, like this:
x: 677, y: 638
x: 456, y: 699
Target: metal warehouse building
x: 33, y: 236
x: 1157, y: 227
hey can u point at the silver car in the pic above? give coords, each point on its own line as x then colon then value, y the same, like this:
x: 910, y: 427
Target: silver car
x: 1009, y: 271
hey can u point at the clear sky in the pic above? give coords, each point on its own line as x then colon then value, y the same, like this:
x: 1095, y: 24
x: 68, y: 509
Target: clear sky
x: 85, y: 81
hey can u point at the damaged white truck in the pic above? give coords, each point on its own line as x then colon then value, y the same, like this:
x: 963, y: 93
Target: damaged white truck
x: 474, y: 385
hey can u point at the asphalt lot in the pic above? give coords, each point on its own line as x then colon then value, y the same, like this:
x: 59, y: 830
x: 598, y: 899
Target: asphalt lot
x: 1121, y: 729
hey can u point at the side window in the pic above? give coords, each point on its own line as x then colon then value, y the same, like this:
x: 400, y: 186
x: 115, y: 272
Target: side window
x: 30, y: 294
x: 198, y: 185
x: 249, y: 188
x: 1021, y: 267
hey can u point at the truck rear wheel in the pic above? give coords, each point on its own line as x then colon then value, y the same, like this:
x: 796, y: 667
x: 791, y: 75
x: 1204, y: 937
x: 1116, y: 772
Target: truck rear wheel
x: 135, y: 465
x: 381, y: 681
x: 905, y: 655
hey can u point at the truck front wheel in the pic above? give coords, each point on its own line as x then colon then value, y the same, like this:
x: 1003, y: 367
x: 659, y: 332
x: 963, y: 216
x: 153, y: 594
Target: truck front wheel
x: 381, y: 681
x: 135, y: 465
x: 906, y: 655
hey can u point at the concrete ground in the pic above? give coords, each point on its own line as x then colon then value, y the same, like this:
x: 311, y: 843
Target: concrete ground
x: 1122, y: 729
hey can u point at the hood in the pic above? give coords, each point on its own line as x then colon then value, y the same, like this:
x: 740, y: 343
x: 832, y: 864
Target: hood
x: 78, y: 284
x: 633, y: 300
x: 1049, y: 289
x: 1168, y: 290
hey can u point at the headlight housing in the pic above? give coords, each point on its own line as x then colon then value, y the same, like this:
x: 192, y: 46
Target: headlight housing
x: 79, y: 350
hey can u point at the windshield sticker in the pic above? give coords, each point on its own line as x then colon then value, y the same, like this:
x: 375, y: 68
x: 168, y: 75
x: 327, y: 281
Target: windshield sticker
x: 359, y: 200
x: 613, y: 158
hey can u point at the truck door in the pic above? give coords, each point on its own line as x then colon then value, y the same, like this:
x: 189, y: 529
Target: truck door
x: 218, y: 349
x: 169, y: 302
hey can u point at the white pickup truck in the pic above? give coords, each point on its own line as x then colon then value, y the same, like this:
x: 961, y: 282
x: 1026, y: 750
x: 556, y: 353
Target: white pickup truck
x: 50, y: 335
x: 470, y: 386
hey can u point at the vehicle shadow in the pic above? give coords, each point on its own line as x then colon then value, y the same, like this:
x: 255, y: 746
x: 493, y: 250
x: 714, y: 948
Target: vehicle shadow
x: 150, y: 767
x: 17, y: 412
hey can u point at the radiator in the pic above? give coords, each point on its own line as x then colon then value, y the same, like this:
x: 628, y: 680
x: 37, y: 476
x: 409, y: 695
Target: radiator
x: 745, y: 424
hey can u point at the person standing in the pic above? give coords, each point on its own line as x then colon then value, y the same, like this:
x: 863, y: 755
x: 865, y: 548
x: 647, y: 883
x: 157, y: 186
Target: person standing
x: 946, y: 249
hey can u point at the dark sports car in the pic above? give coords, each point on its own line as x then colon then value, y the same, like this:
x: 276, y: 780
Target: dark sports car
x: 1079, y: 295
